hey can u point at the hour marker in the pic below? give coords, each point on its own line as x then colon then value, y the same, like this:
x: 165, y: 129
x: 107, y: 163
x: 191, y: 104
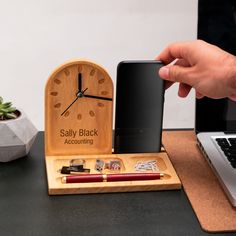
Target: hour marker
x: 67, y: 72
x: 104, y: 92
x: 54, y: 93
x: 100, y: 104
x: 79, y: 68
x: 57, y: 81
x: 67, y: 113
x: 91, y: 113
x: 101, y: 81
x: 92, y: 72
x: 79, y: 116
x: 57, y: 105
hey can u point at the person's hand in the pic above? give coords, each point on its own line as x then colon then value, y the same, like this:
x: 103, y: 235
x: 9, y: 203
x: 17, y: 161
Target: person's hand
x: 199, y: 65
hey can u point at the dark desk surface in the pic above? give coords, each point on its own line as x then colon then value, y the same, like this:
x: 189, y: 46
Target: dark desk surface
x: 27, y: 209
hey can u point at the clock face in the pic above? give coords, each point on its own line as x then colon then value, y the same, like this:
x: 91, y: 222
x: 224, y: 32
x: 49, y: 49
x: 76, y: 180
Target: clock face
x: 78, y: 110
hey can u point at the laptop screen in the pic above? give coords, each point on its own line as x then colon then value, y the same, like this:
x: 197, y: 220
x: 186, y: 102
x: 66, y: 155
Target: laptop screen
x: 215, y: 115
x: 217, y: 25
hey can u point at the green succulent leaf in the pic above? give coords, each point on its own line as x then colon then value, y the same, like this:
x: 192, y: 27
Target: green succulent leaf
x: 6, y: 110
x: 11, y: 115
x: 11, y: 109
x: 7, y: 104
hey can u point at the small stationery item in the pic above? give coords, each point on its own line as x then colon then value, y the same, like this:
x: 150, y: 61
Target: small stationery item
x: 76, y: 162
x: 88, y: 178
x: 74, y: 169
x: 99, y: 165
x: 111, y: 165
x: 149, y: 165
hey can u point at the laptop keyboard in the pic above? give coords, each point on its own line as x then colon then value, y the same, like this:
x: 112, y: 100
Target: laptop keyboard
x: 228, y: 146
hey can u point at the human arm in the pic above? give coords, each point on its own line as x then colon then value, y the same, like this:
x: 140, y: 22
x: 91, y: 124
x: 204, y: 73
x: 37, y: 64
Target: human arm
x: 202, y: 66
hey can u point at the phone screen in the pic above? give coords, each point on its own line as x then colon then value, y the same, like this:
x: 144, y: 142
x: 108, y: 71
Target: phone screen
x: 139, y: 107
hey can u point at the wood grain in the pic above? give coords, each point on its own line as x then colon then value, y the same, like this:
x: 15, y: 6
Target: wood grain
x: 55, y: 186
x: 86, y: 127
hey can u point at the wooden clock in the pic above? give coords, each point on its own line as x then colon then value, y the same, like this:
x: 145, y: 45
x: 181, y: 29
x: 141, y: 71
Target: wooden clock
x: 78, y: 110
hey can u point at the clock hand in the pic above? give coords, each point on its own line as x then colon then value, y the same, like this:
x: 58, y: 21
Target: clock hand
x: 97, y: 97
x: 84, y: 90
x: 79, y: 95
x: 79, y: 82
x: 69, y: 106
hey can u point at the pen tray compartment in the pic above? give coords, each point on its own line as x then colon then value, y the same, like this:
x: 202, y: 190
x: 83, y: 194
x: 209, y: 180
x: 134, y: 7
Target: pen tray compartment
x: 128, y: 163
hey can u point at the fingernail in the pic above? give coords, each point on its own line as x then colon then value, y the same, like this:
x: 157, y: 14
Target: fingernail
x: 164, y: 72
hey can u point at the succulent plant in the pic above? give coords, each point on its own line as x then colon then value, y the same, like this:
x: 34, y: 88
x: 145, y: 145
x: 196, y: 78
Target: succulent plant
x: 6, y: 110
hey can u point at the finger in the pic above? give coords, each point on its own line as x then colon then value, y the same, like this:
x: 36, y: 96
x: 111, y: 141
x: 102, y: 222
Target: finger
x: 182, y: 62
x: 184, y: 90
x: 173, y: 51
x: 176, y: 73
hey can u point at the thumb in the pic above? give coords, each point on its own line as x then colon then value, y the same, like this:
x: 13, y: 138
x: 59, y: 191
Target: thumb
x: 175, y: 73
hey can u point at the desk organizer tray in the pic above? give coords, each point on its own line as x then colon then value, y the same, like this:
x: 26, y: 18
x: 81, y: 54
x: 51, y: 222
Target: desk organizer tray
x: 128, y: 162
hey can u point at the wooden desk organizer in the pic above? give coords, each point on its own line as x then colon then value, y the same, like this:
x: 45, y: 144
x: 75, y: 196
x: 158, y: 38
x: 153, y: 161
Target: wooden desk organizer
x: 78, y: 124
x: 55, y: 186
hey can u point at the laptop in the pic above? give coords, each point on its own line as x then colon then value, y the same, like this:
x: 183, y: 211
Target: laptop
x: 215, y: 126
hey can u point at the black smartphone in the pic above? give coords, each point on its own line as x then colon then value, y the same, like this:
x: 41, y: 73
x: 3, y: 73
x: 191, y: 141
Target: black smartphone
x: 139, y: 107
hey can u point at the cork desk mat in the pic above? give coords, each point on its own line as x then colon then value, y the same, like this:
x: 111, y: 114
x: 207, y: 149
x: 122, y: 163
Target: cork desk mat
x: 204, y: 192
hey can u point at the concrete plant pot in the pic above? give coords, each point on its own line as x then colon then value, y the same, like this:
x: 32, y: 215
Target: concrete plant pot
x: 16, y: 137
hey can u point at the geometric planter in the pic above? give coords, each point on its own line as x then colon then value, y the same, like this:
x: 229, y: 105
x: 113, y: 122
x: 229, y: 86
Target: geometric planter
x: 16, y: 137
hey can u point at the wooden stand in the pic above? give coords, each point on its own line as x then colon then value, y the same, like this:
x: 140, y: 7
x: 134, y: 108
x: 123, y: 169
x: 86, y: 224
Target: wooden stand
x: 78, y: 125
x: 128, y: 161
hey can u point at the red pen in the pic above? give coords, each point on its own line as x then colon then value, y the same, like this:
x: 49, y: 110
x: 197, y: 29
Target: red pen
x: 88, y: 178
